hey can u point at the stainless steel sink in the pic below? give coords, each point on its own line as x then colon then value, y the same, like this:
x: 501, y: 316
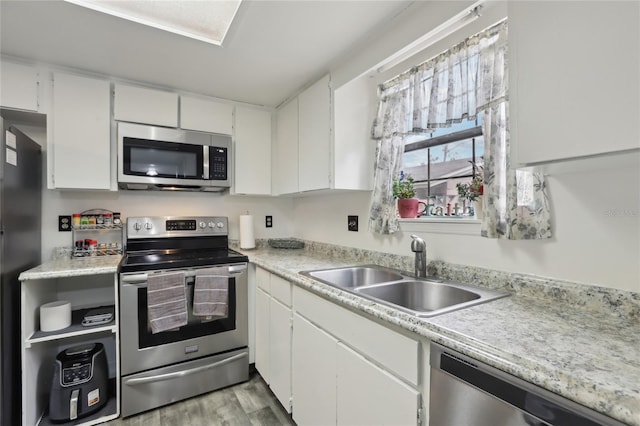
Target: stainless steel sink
x: 355, y: 276
x: 420, y: 297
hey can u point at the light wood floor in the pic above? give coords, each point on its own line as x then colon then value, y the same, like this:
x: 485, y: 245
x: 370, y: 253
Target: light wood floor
x: 250, y: 403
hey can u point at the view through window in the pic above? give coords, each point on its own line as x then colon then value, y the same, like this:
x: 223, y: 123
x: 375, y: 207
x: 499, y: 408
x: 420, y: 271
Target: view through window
x: 443, y: 159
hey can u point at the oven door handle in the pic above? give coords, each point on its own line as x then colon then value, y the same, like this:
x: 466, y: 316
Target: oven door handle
x: 142, y: 278
x: 176, y: 374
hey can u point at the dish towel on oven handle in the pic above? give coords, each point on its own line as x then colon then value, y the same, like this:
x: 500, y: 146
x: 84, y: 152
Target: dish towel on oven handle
x: 211, y: 293
x: 166, y: 301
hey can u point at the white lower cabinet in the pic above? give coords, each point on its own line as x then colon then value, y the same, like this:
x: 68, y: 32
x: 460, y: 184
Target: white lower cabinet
x: 280, y: 352
x: 262, y: 334
x: 273, y: 334
x: 313, y: 374
x: 349, y: 370
x: 368, y: 395
x: 328, y: 365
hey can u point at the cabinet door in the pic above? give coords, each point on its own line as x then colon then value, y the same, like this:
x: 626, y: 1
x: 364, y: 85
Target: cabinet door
x: 19, y: 86
x: 368, y: 395
x: 286, y: 155
x: 574, y: 82
x: 280, y: 352
x: 262, y: 334
x: 148, y: 106
x: 81, y: 143
x: 252, y: 151
x: 315, y: 136
x: 313, y: 374
x: 206, y: 115
x: 354, y: 108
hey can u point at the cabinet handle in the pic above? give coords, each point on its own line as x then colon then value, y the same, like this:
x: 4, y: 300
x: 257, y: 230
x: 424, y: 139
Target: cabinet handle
x: 174, y: 375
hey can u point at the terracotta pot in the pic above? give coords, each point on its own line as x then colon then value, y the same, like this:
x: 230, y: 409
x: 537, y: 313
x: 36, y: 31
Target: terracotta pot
x: 408, y: 207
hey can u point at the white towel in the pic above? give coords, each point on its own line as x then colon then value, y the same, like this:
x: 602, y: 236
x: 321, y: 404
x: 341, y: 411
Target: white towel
x: 166, y: 301
x: 211, y: 292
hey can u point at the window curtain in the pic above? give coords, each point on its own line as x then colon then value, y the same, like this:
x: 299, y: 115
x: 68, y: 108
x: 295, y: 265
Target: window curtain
x: 469, y: 78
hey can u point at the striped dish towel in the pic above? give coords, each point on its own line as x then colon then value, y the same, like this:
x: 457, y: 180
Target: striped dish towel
x: 166, y: 301
x: 211, y: 292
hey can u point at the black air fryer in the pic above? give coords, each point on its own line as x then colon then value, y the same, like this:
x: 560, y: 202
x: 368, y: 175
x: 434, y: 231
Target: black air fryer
x: 80, y: 382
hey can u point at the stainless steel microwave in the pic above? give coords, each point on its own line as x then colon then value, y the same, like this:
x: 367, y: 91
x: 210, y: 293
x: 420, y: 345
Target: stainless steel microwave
x: 160, y: 158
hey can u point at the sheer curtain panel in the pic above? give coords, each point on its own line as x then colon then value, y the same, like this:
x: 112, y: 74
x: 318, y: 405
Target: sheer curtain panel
x: 469, y: 78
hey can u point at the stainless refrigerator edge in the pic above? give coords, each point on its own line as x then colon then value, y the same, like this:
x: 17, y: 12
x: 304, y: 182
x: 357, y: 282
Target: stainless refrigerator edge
x: 20, y: 233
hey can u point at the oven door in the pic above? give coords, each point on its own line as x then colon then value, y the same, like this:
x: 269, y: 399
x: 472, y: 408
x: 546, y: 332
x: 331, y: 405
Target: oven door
x: 141, y: 350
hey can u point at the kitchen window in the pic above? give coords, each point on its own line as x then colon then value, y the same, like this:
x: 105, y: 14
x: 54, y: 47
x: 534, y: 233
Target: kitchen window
x: 443, y: 159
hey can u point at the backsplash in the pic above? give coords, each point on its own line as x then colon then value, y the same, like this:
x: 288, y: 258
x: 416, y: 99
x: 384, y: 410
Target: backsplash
x: 589, y: 297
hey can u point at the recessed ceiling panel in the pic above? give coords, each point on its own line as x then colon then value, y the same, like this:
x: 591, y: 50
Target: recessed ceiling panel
x: 207, y: 21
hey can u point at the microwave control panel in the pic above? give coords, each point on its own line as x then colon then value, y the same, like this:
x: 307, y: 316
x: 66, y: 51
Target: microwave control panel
x: 218, y: 163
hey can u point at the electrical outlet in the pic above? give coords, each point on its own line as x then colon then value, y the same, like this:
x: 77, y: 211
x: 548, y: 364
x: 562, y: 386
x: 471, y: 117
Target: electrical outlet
x: 268, y: 221
x: 64, y: 223
x: 352, y: 223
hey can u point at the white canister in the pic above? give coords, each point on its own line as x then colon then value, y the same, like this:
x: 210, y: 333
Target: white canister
x: 55, y: 315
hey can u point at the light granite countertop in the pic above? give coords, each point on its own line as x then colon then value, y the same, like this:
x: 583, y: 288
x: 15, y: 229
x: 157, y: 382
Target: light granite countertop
x: 590, y: 357
x: 74, y: 267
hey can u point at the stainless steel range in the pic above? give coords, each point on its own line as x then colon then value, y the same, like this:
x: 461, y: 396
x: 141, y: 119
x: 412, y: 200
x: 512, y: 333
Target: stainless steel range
x: 207, y: 353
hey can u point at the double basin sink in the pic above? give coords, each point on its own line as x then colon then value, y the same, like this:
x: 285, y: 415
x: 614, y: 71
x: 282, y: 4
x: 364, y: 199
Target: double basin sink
x: 422, y: 297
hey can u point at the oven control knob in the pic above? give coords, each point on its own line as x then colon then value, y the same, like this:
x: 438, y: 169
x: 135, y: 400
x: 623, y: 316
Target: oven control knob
x: 137, y: 226
x: 148, y: 225
x: 211, y: 225
x: 203, y: 225
x: 220, y: 225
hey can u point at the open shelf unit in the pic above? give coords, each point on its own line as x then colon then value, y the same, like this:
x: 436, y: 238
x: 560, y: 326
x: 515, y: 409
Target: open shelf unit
x: 39, y: 349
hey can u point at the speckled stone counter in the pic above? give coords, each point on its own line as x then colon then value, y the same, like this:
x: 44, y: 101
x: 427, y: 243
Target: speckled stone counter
x: 589, y: 356
x: 73, y: 267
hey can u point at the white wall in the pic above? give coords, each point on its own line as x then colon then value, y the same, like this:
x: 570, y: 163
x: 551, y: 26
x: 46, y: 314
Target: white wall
x: 596, y: 226
x: 595, y: 207
x: 150, y: 203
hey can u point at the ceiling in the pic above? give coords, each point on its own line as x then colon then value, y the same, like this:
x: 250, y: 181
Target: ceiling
x: 272, y: 50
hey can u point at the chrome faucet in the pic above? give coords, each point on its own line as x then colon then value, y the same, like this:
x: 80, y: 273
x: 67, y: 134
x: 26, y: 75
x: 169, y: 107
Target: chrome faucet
x: 419, y: 247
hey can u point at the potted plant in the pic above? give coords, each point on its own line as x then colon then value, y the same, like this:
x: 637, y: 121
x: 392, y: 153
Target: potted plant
x: 474, y: 190
x: 404, y: 192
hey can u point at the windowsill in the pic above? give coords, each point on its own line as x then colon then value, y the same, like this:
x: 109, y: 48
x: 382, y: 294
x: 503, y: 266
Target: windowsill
x: 442, y: 225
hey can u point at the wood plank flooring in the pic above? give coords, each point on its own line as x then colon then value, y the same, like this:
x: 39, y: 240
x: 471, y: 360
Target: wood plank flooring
x: 250, y: 403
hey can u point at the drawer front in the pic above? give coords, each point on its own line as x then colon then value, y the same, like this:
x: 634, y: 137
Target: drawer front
x: 281, y: 290
x: 263, y: 279
x: 151, y: 389
x: 396, y: 352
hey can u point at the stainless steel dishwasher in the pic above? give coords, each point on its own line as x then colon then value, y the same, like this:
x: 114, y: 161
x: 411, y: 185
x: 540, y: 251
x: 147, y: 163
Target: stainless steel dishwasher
x: 465, y: 392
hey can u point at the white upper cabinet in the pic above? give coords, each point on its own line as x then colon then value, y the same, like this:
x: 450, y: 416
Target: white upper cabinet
x: 81, y: 125
x: 314, y: 132
x: 323, y: 139
x: 252, y: 139
x: 19, y: 85
x: 354, y: 105
x: 148, y: 106
x: 206, y: 115
x: 285, y: 166
x: 574, y: 83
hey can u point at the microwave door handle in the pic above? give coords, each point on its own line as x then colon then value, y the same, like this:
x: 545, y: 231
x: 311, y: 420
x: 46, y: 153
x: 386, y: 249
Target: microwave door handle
x: 205, y: 162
